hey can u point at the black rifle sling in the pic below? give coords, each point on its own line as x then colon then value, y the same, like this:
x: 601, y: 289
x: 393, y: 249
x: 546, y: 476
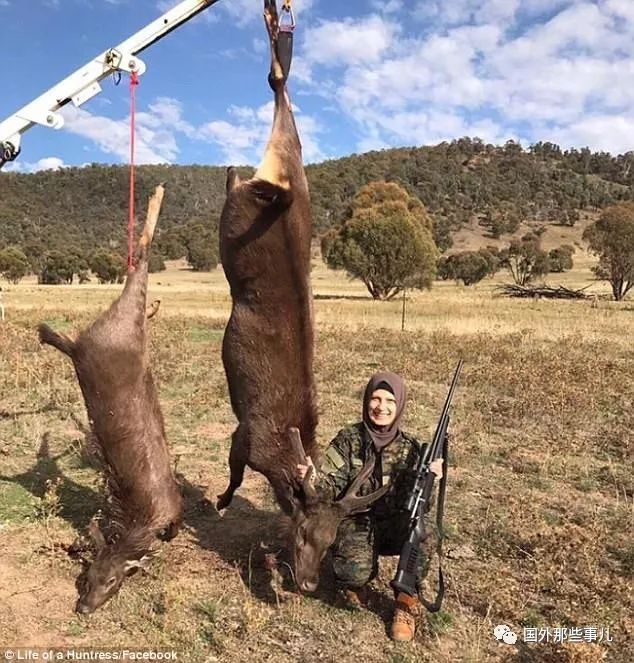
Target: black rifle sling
x: 435, y: 606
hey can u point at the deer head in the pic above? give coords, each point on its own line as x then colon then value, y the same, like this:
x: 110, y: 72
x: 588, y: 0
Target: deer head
x: 315, y: 521
x: 103, y: 578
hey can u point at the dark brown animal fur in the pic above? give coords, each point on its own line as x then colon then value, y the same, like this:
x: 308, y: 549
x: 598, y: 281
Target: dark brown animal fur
x: 112, y: 365
x: 265, y: 236
x: 313, y: 528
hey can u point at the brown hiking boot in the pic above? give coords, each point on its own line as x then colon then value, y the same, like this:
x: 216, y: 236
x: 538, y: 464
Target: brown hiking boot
x: 404, y: 624
x: 350, y: 599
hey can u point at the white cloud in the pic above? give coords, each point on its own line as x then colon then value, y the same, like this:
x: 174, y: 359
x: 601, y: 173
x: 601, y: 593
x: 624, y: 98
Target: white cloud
x: 439, y: 71
x: 260, y: 46
x: 442, y: 14
x: 301, y: 70
x: 536, y: 8
x: 169, y: 112
x: 387, y: 7
x: 165, y: 5
x: 495, y: 68
x: 243, y: 138
x: 531, y: 70
x: 460, y: 12
x: 155, y: 141
x: 309, y: 129
x: 237, y: 141
x: 209, y: 14
x: 4, y: 3
x: 609, y: 133
x: 349, y: 42
x: 621, y: 8
x: 47, y: 163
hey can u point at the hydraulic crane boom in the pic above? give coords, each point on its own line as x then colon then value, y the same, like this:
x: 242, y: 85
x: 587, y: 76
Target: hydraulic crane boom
x: 83, y: 84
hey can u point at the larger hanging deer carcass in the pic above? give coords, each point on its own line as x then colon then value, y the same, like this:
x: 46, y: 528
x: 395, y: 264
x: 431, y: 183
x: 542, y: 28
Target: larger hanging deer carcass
x: 265, y: 239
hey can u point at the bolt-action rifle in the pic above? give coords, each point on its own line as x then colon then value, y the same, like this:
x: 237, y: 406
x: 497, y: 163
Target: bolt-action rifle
x: 406, y: 578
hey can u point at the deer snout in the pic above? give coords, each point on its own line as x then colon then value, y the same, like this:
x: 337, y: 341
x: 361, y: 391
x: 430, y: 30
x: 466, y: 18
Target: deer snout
x: 83, y: 609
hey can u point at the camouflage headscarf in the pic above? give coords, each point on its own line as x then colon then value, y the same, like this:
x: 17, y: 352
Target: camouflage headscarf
x: 383, y: 435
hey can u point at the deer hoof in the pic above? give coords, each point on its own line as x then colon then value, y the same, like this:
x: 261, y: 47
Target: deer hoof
x: 223, y: 502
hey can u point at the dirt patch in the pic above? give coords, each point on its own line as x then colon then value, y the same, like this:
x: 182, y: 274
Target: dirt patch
x: 216, y: 431
x: 37, y: 589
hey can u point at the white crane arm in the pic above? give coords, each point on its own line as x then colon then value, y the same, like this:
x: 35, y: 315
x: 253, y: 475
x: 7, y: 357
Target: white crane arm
x: 83, y: 84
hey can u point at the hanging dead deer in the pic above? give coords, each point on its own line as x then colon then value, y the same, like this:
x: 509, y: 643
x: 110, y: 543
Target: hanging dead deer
x: 265, y: 237
x: 112, y: 364
x: 267, y: 351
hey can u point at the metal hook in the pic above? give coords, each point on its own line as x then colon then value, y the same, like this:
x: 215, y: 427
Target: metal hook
x: 287, y: 19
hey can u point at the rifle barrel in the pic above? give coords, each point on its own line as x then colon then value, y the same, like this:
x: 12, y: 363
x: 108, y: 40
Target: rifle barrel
x: 452, y: 388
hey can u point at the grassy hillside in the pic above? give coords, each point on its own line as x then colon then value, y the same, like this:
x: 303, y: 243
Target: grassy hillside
x: 460, y: 183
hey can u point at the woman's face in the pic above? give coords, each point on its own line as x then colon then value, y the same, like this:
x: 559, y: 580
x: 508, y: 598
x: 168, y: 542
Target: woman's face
x: 382, y: 407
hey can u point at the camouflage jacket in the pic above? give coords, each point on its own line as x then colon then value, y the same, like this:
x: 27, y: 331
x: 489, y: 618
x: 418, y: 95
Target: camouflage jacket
x: 346, y: 455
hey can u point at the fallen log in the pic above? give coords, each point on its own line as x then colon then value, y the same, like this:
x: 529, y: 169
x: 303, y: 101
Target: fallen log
x: 537, y: 292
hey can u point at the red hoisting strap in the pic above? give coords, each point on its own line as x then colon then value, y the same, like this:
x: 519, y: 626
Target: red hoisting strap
x: 134, y: 81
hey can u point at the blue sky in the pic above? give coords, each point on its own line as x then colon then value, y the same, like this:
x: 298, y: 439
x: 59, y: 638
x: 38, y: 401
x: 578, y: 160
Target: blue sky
x: 367, y: 74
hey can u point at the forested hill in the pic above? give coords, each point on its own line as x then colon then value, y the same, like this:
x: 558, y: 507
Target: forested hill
x: 86, y: 208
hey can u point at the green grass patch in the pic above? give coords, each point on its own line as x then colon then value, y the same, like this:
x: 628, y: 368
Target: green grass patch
x: 532, y: 619
x: 75, y: 628
x: 60, y: 323
x: 209, y: 609
x: 440, y: 621
x: 625, y: 556
x: 16, y: 503
x: 200, y: 334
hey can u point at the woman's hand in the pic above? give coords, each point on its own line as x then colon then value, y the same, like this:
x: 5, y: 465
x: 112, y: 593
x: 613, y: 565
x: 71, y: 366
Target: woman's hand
x: 436, y: 467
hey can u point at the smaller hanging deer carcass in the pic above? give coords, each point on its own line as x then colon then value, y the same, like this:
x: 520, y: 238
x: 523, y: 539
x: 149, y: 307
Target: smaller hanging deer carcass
x: 111, y: 361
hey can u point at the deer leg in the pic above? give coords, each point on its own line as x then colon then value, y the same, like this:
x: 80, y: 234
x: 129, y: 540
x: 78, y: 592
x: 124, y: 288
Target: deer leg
x: 284, y: 139
x: 152, y: 310
x: 237, y: 463
x: 170, y: 531
x: 276, y: 75
x: 131, y: 306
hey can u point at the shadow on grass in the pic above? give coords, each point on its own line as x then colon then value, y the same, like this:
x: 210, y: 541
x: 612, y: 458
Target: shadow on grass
x: 6, y: 414
x: 244, y: 536
x: 73, y: 502
x: 356, y: 298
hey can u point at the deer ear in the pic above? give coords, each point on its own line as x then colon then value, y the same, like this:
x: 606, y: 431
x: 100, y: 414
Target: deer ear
x: 233, y: 179
x: 96, y: 535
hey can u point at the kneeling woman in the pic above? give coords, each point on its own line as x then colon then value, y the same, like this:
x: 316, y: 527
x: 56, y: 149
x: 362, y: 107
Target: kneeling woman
x: 361, y: 538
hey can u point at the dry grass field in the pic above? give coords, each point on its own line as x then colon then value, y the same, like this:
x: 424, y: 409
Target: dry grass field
x: 539, y: 514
